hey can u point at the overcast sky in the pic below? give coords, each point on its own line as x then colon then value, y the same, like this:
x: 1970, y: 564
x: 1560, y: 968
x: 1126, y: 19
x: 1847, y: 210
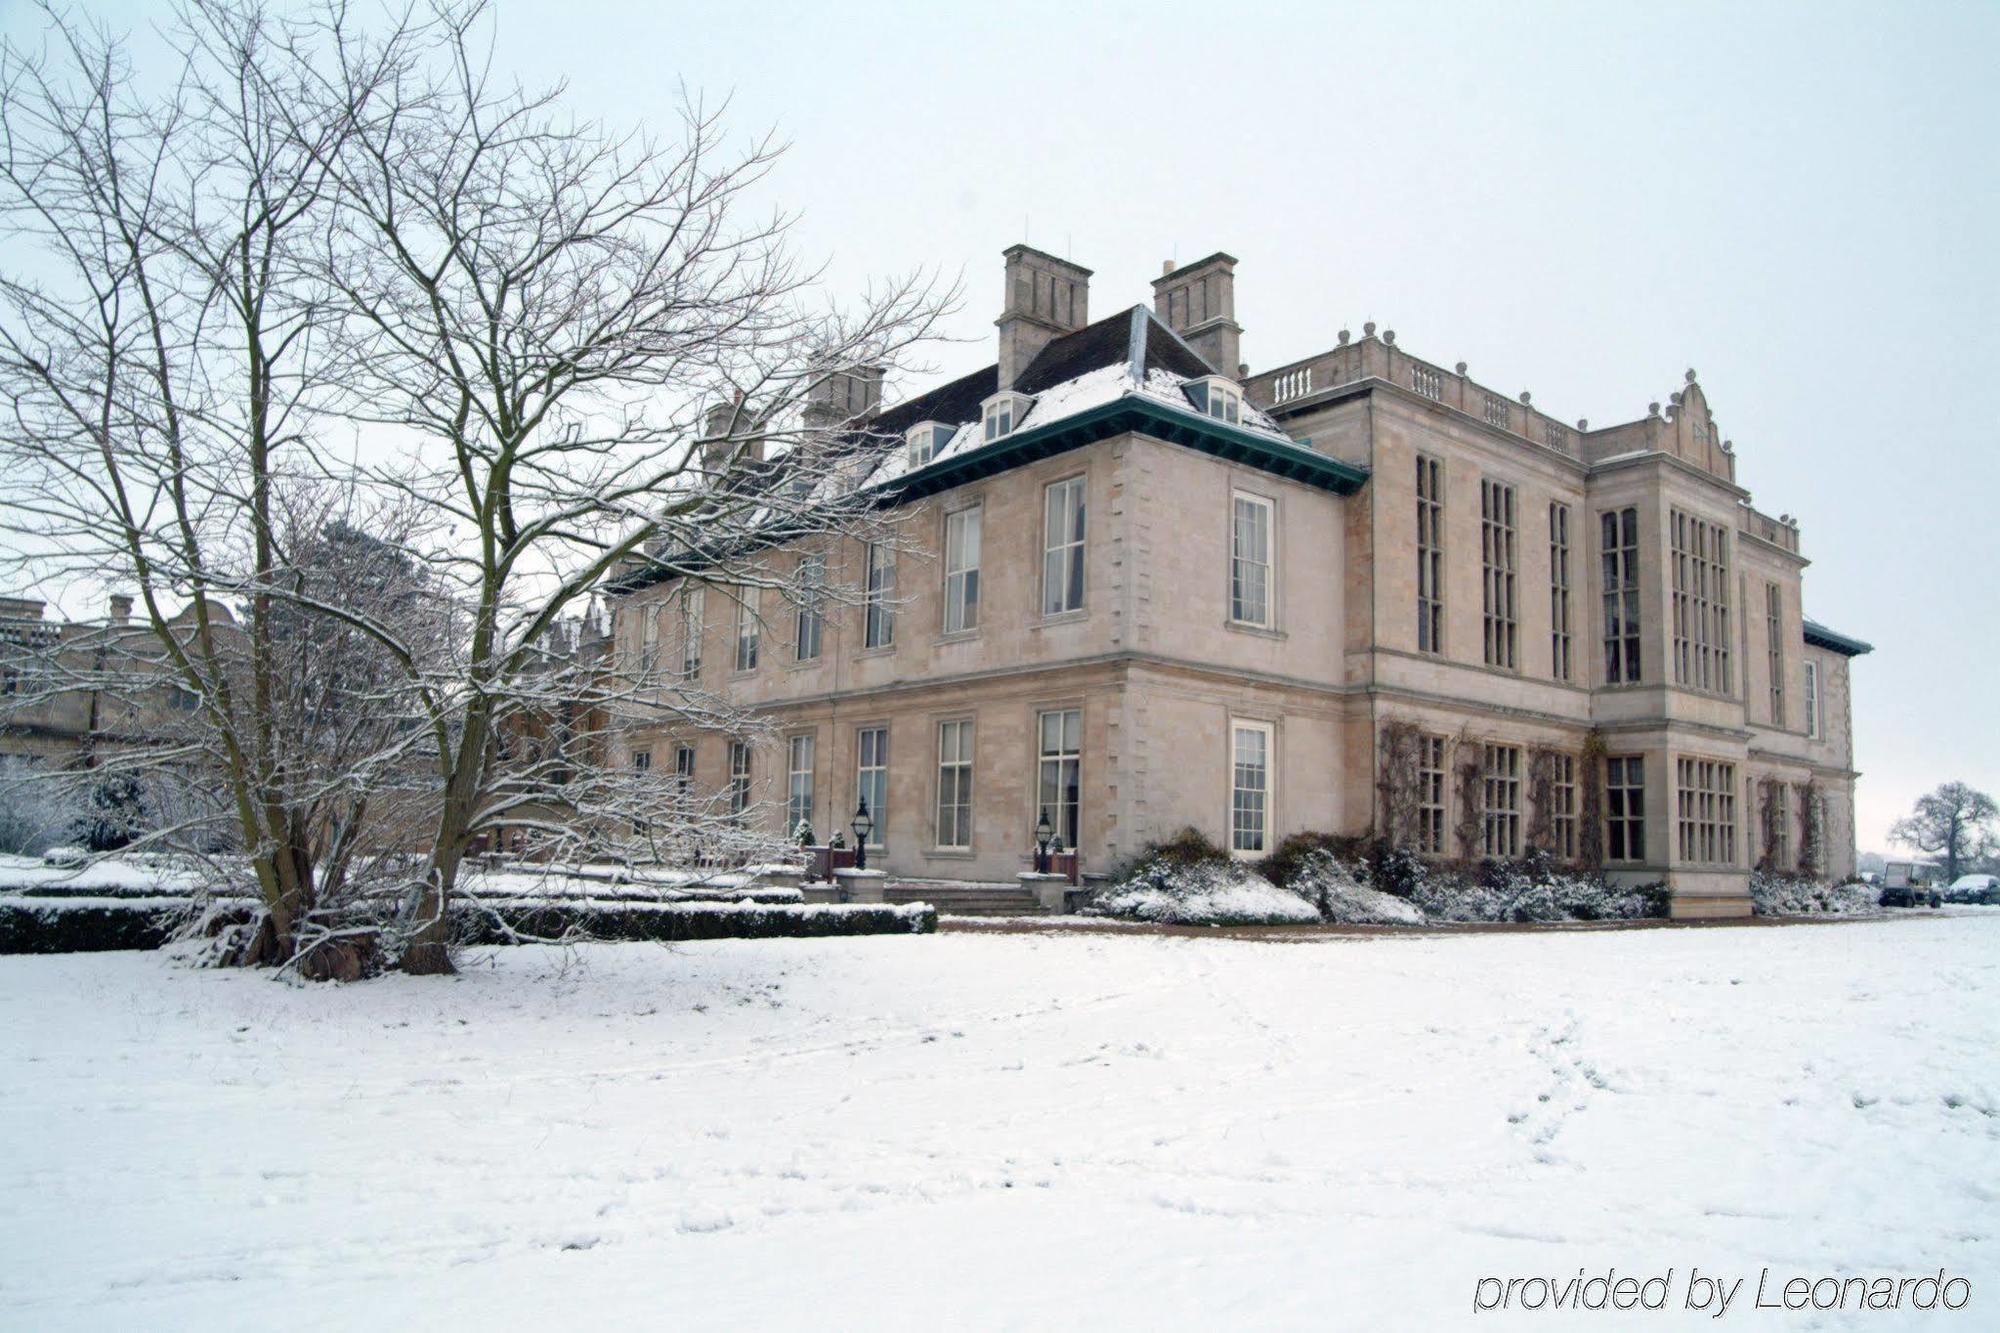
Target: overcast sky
x: 1800, y: 201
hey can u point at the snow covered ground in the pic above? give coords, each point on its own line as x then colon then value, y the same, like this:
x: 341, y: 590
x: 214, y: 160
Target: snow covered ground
x: 1118, y: 1130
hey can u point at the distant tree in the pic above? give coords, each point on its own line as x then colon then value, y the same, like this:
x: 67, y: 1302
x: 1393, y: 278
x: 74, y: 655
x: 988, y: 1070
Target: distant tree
x: 1954, y: 823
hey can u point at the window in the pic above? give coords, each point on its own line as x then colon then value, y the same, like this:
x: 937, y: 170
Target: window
x: 798, y: 784
x: 649, y: 641
x: 180, y: 699
x: 1250, y: 560
x: 683, y: 767
x: 642, y: 760
x: 1250, y: 788
x: 1625, y: 808
x: 879, y: 618
x: 925, y: 440
x: 1707, y: 797
x: 739, y: 778
x: 1620, y: 544
x: 1430, y: 795
x: 1217, y: 397
x: 1815, y: 724
x: 871, y: 778
x: 961, y: 570
x: 1496, y: 548
x: 1559, y: 629
x: 1062, y: 548
x: 954, y: 786
x: 1562, y: 806
x: 1430, y: 555
x: 691, y: 608
x: 1778, y: 819
x: 1002, y: 413
x: 1500, y: 808
x: 1700, y: 553
x: 1774, y: 641
x: 1061, y: 771
x: 749, y: 630
x: 811, y: 624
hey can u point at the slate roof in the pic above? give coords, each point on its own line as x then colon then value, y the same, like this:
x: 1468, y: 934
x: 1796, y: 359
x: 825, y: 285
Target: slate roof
x: 1821, y: 637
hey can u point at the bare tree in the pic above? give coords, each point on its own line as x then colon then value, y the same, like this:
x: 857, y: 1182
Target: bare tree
x: 545, y: 356
x: 164, y: 358
x: 552, y: 310
x: 1954, y: 822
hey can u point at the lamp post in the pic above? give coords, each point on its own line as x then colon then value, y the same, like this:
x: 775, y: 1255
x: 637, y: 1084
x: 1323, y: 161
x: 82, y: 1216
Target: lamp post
x: 1044, y: 834
x: 863, y: 825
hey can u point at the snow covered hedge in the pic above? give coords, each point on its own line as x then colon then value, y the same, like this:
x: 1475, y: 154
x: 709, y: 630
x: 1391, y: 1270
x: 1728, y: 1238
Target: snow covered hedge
x: 1337, y: 889
x: 1795, y: 895
x: 1191, y: 882
x: 509, y: 922
x: 89, y: 925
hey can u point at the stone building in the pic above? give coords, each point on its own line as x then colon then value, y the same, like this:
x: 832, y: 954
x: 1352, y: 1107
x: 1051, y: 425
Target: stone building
x: 1139, y: 588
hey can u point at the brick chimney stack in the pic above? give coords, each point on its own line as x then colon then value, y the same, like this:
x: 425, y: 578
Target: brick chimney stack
x: 121, y: 608
x: 1198, y: 301
x: 844, y: 396
x: 1045, y: 298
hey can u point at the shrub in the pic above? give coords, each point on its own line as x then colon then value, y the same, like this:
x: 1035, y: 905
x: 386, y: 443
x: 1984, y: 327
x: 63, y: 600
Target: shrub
x: 1292, y: 855
x: 1773, y: 894
x: 1189, y: 847
x: 1533, y: 888
x: 1338, y: 890
x: 1179, y: 884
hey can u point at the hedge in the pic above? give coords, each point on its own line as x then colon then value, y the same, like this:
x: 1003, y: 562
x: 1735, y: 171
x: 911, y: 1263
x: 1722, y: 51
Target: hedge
x: 54, y: 925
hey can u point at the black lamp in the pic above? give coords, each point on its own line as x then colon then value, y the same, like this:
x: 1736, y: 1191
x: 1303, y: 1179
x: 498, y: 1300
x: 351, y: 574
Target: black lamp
x: 863, y: 825
x: 1044, y: 834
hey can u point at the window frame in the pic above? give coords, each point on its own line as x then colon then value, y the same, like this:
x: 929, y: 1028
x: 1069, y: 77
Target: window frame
x: 1239, y: 562
x: 1625, y: 817
x: 1562, y: 657
x: 1266, y: 795
x: 809, y: 622
x: 871, y: 780
x: 1774, y: 637
x: 1070, y: 553
x: 1618, y: 553
x: 1066, y: 812
x: 954, y: 780
x: 1815, y: 702
x: 749, y: 631
x: 1500, y: 563
x: 694, y: 607
x: 796, y: 790
x: 961, y: 579
x: 1698, y: 558
x: 737, y: 789
x: 1430, y: 554
x: 1433, y: 794
x: 1705, y: 811
x: 1500, y: 824
x: 878, y: 628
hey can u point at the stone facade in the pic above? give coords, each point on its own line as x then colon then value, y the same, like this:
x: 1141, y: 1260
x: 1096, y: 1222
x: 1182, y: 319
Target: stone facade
x: 1179, y: 697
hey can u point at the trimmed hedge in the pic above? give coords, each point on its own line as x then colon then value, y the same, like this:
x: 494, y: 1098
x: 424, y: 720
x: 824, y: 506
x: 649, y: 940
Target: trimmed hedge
x: 52, y: 925
x: 499, y: 923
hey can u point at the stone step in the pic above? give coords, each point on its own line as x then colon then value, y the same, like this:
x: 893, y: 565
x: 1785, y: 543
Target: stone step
x: 997, y: 900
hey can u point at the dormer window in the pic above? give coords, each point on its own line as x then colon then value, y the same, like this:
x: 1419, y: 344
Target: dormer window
x: 925, y: 439
x: 1217, y: 396
x: 1003, y: 412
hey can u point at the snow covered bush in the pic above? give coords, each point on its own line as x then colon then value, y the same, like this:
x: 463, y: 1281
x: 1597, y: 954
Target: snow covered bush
x: 1533, y: 888
x: 1338, y: 889
x: 1800, y: 895
x: 1189, y: 881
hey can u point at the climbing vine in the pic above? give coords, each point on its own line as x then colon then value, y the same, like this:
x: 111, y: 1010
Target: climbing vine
x: 1466, y: 773
x: 1590, y: 823
x: 1398, y: 786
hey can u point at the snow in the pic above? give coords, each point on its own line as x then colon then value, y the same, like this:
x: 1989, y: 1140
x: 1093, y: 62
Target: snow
x: 151, y: 874
x: 1209, y: 893
x: 1106, y: 1131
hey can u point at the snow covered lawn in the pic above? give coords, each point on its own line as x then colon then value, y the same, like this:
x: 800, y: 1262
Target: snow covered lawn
x: 1118, y: 1130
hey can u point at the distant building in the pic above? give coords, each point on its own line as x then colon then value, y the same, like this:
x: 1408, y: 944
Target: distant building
x: 1355, y: 591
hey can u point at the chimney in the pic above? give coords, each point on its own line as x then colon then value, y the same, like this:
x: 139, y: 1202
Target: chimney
x: 121, y: 608
x: 1198, y: 301
x: 21, y: 608
x: 850, y: 395
x: 1045, y: 298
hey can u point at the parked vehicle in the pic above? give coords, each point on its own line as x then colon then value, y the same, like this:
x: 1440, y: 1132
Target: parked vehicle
x: 1911, y: 895
x: 1974, y: 889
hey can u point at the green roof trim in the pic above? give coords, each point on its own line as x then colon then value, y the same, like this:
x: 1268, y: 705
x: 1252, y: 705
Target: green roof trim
x: 1132, y: 414
x: 1819, y: 636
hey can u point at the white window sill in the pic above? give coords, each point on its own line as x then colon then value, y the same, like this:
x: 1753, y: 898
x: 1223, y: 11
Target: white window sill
x: 1061, y: 618
x: 1249, y: 627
